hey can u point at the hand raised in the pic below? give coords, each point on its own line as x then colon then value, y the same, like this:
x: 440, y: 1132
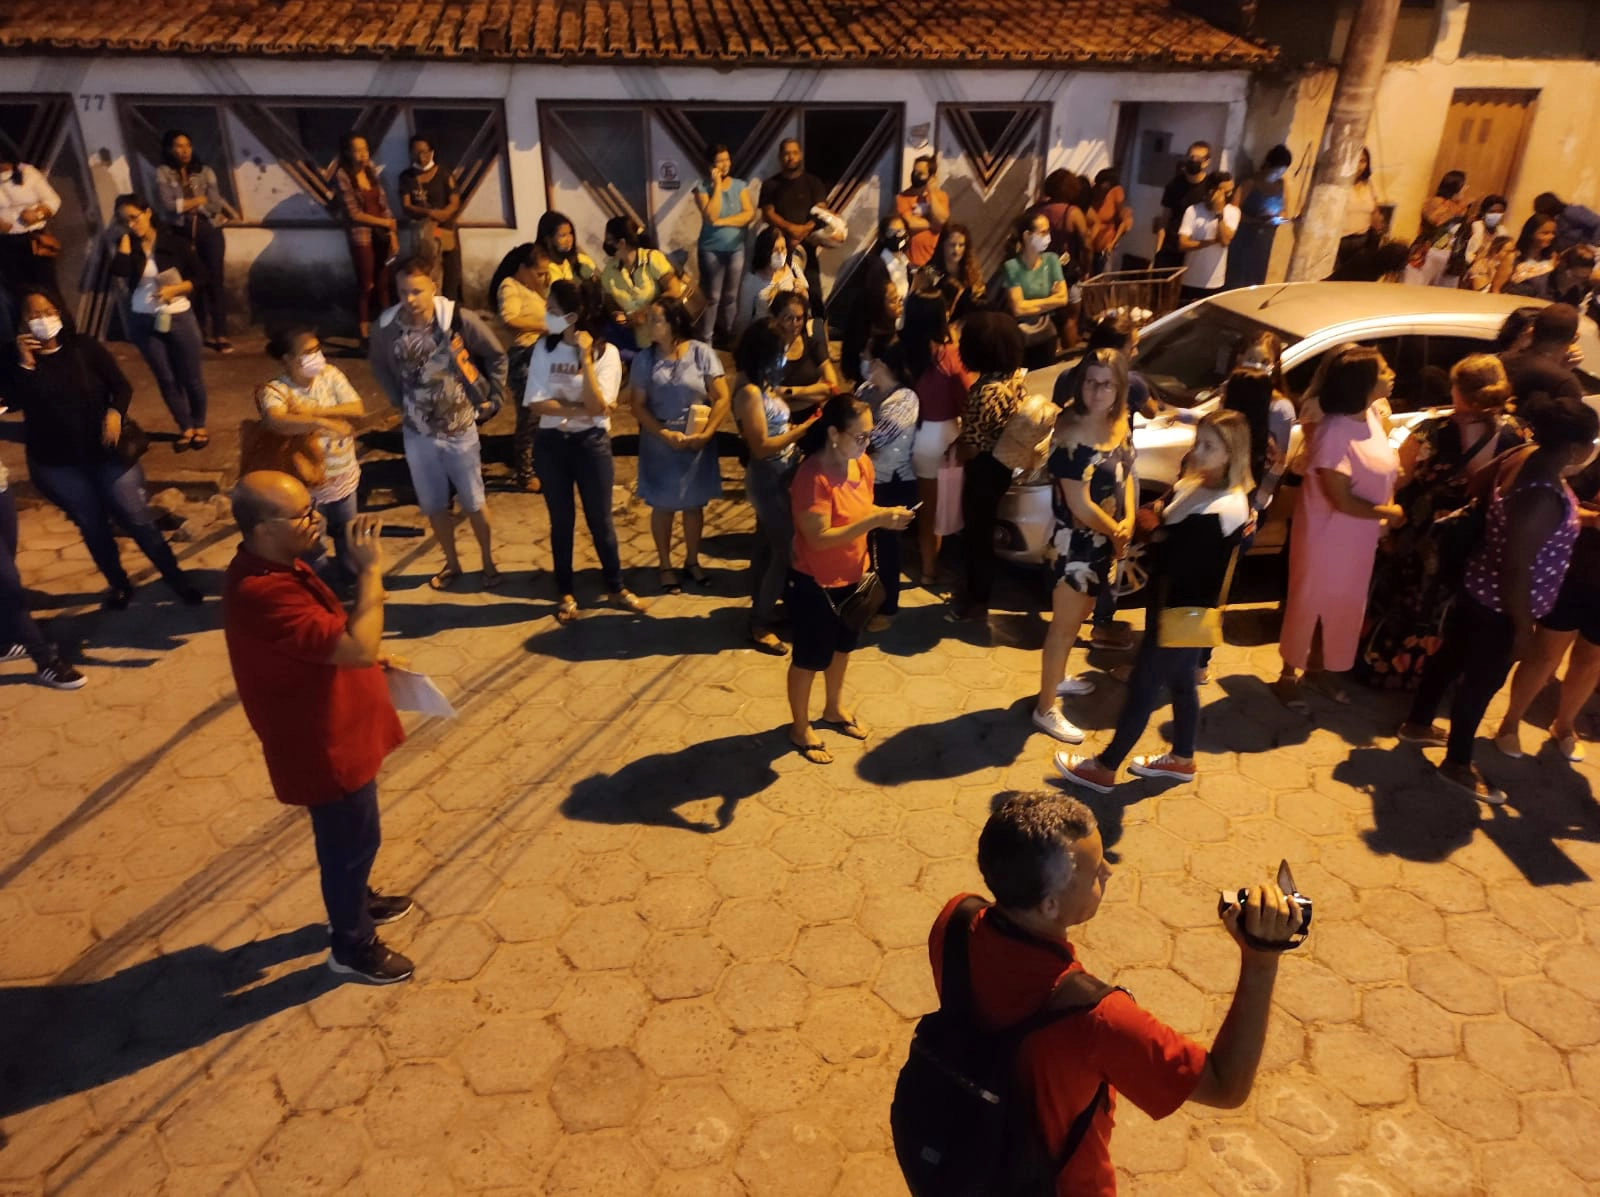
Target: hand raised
x: 365, y: 549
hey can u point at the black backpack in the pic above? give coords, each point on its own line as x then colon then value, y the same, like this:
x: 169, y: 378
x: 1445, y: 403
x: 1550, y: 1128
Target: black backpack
x: 962, y: 1125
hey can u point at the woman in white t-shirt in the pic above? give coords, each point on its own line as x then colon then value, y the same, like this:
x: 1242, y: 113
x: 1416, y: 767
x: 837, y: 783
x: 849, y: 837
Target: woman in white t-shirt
x: 573, y: 380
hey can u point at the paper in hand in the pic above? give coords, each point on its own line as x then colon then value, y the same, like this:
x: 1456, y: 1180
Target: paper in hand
x: 416, y: 692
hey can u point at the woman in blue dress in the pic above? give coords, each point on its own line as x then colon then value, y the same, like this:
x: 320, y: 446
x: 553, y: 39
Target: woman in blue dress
x: 1260, y: 202
x: 680, y: 398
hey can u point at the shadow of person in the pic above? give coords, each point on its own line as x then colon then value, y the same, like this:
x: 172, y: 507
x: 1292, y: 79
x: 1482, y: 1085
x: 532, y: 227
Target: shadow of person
x: 949, y: 749
x: 650, y: 790
x: 58, y: 1039
x: 608, y: 637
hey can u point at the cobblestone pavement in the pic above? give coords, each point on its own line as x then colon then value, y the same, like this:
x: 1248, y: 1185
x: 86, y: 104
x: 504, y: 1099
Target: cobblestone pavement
x: 659, y: 954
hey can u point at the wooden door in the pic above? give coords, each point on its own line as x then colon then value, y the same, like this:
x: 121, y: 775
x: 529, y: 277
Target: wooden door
x: 1484, y: 134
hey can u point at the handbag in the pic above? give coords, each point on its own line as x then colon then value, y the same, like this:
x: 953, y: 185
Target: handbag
x: 947, y: 520
x: 1196, y: 627
x: 856, y: 609
x: 487, y: 395
x: 133, y: 442
x: 299, y: 456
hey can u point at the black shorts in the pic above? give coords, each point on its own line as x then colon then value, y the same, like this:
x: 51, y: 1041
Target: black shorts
x: 1577, y: 610
x: 819, y: 633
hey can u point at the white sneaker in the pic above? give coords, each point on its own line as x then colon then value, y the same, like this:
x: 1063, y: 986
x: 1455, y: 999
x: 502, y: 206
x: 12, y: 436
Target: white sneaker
x: 1075, y: 687
x: 1054, y: 723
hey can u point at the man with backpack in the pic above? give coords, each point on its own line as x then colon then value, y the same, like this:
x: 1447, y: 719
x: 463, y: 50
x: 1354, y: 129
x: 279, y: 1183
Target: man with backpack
x: 1012, y: 1085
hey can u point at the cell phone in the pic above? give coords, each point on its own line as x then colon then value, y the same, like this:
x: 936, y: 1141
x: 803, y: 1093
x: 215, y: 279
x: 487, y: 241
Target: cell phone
x: 917, y: 506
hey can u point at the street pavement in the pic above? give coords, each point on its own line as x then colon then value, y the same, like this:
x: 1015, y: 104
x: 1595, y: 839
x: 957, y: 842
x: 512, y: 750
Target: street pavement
x: 659, y: 953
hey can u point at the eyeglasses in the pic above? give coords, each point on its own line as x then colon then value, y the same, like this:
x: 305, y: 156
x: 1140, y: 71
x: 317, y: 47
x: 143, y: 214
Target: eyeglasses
x: 860, y: 438
x: 305, y: 519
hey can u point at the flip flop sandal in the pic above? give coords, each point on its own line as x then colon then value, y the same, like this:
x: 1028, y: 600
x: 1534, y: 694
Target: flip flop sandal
x: 201, y: 440
x: 768, y: 642
x: 817, y: 754
x: 492, y: 578
x: 444, y: 579
x: 186, y: 441
x: 848, y: 727
x: 567, y: 612
x: 626, y: 600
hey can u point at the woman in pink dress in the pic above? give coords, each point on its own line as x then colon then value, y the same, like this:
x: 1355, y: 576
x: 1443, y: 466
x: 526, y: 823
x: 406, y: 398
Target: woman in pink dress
x: 1348, y: 493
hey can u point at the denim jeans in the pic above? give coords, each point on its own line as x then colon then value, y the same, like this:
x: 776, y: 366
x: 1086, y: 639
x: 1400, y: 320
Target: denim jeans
x: 174, y: 358
x: 1154, y: 669
x: 336, y: 516
x: 766, y: 483
x: 581, y: 462
x: 16, y: 625
x: 1476, y: 655
x: 92, y: 497
x: 347, y: 834
x: 721, y: 272
x: 211, y: 297
x: 901, y: 492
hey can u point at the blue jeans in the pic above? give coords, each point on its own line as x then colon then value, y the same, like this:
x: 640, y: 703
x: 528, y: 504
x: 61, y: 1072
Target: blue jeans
x: 336, y: 516
x: 901, y: 492
x: 92, y: 497
x: 581, y: 462
x: 347, y: 834
x: 721, y: 272
x: 1156, y: 669
x: 16, y: 625
x: 766, y: 484
x: 174, y: 358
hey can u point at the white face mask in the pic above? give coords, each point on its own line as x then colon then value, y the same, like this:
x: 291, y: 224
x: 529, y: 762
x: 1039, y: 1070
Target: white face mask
x: 311, y: 364
x: 422, y: 163
x: 779, y: 261
x: 1493, y: 219
x: 1038, y: 242
x: 556, y: 323
x: 45, y: 328
x: 864, y: 370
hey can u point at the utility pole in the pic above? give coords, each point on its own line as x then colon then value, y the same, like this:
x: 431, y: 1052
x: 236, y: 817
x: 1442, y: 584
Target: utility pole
x: 1360, y: 71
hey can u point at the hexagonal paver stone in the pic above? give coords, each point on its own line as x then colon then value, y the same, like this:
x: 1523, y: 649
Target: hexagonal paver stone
x: 1422, y: 1154
x: 1485, y: 942
x: 1313, y: 993
x: 1243, y: 1159
x: 937, y: 834
x: 459, y: 887
x: 820, y: 896
x: 412, y: 1104
x: 524, y: 912
x: 847, y: 1025
x: 1357, y: 953
x: 603, y: 879
x: 1125, y: 935
x: 1402, y: 918
x: 523, y: 978
x: 688, y: 1038
x: 608, y: 1162
x: 1511, y: 1170
x: 1462, y: 1096
x: 898, y: 918
x: 806, y: 843
x: 604, y: 937
x: 121, y: 1160
x: 771, y: 1071
x: 835, y: 955
x: 749, y: 872
x: 452, y: 949
x: 594, y: 1090
x: 1554, y: 1013
x: 677, y: 903
x: 1453, y: 983
x: 682, y: 964
x: 1409, y: 1021
x: 762, y: 994
x: 690, y: 1124
x: 1360, y: 1065
x: 311, y: 1153
x: 602, y: 1009
x: 511, y: 1055
x: 1513, y: 1055
x: 1166, y: 995
x: 883, y: 864
x: 788, y: 1155
x: 1443, y: 886
x: 754, y: 928
x: 905, y: 982
x: 1567, y: 1127
x: 1308, y: 1115
x: 1577, y: 966
x: 1192, y: 820
x: 430, y: 1022
x: 223, y: 1123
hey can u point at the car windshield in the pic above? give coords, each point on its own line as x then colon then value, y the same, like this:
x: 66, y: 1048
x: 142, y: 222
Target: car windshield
x: 1190, y: 354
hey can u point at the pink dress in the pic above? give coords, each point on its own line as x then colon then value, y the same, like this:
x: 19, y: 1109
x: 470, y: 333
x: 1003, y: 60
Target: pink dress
x: 1330, y: 553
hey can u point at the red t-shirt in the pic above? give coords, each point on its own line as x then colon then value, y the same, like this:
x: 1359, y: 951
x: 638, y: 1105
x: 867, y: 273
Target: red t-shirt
x: 324, y: 729
x: 840, y: 503
x: 920, y: 246
x: 1142, y: 1059
x: 942, y: 389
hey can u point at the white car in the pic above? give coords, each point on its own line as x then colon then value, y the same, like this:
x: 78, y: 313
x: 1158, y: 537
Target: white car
x: 1184, y: 357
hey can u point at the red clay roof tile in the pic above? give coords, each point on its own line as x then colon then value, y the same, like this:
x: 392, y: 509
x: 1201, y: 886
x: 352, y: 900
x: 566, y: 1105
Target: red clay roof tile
x: 721, y: 32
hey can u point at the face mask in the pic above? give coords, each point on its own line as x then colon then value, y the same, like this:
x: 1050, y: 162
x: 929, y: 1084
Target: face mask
x: 779, y: 261
x: 311, y: 364
x: 1273, y: 176
x: 1194, y: 165
x: 895, y: 241
x: 1038, y: 242
x: 919, y: 180
x: 864, y: 369
x: 422, y: 163
x: 45, y: 328
x: 609, y: 248
x: 1492, y: 220
x: 556, y: 323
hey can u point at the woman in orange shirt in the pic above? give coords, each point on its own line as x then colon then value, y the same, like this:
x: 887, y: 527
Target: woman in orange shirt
x: 833, y: 512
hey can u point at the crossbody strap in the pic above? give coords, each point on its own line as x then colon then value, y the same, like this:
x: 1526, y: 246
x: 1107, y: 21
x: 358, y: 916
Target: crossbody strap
x: 955, y: 989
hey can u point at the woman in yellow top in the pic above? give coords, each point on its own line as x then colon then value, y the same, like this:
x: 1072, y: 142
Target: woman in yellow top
x: 557, y: 237
x: 519, y: 286
x: 635, y: 275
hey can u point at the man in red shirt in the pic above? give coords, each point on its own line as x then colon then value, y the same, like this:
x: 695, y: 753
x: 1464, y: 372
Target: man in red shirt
x: 311, y: 682
x: 1040, y: 854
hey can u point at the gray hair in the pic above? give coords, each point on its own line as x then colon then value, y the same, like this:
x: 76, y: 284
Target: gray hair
x: 1023, y: 852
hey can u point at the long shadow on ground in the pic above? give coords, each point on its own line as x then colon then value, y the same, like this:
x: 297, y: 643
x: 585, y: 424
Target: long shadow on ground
x: 649, y: 790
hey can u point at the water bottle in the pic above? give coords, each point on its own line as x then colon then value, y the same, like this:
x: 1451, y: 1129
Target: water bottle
x: 163, y: 321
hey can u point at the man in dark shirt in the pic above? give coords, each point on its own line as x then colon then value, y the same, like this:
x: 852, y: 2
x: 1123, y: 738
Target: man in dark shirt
x: 1545, y: 366
x: 1187, y: 188
x: 428, y: 195
x: 786, y: 202
x: 311, y: 681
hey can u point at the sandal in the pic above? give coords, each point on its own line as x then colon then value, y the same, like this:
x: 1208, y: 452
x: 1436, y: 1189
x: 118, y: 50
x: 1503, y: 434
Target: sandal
x: 670, y: 583
x: 626, y: 600
x: 1288, y: 693
x: 817, y: 753
x: 1569, y: 746
x: 1467, y: 777
x: 567, y: 611
x: 847, y: 726
x: 697, y: 574
x: 223, y: 346
x: 492, y: 577
x: 186, y: 441
x: 201, y: 440
x: 767, y: 641
x: 445, y: 578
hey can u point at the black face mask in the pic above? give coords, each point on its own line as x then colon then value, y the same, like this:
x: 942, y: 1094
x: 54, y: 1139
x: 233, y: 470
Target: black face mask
x: 609, y: 248
x: 919, y: 180
x: 1194, y: 166
x: 895, y: 241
